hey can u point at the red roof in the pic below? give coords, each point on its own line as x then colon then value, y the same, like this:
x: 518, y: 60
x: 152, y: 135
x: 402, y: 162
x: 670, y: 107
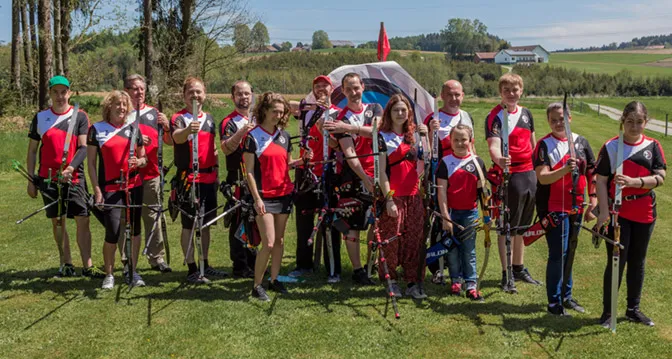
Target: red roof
x: 486, y: 55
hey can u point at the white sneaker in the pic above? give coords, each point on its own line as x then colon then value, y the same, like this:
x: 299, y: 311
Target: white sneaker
x: 108, y: 282
x: 334, y: 278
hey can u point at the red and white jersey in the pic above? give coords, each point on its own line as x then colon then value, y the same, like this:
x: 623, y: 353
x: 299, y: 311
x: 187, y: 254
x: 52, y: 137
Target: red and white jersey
x: 521, y: 127
x: 229, y: 126
x: 51, y: 128
x: 149, y: 126
x: 448, y: 121
x: 639, y: 160
x: 207, y: 152
x: 462, y: 176
x: 553, y: 152
x: 402, y: 163
x: 271, y: 154
x: 316, y: 139
x: 363, y: 145
x: 113, y: 145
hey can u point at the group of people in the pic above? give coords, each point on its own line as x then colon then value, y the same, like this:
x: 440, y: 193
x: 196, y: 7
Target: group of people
x: 336, y: 182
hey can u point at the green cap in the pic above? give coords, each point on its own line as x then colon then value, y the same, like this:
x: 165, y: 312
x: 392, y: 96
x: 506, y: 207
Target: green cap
x: 59, y: 80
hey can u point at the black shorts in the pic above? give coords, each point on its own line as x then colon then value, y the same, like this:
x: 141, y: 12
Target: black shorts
x: 522, y: 188
x: 207, y: 196
x: 75, y: 203
x: 112, y: 216
x: 278, y: 205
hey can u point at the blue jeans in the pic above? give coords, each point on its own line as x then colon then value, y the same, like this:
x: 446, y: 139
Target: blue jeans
x: 462, y: 259
x: 558, y: 244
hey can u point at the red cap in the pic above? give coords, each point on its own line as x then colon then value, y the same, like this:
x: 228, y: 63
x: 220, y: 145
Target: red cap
x: 322, y: 78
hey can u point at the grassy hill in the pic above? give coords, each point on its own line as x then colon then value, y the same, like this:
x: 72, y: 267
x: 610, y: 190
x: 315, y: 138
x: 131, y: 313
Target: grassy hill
x: 611, y: 62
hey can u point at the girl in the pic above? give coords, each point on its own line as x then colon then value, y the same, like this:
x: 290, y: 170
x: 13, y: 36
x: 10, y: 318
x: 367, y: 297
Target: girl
x: 267, y: 159
x: 109, y: 140
x: 644, y: 168
x: 404, y: 212
x: 554, y: 166
x: 458, y: 180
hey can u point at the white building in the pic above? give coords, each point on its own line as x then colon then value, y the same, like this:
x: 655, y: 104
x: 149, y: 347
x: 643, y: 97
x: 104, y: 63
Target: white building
x: 542, y: 54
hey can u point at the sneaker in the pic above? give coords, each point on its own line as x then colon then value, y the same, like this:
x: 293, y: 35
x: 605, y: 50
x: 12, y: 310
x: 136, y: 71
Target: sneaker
x: 394, y: 288
x: 334, y: 278
x: 438, y: 278
x: 571, y: 303
x: 299, y: 272
x: 196, y: 278
x: 635, y: 315
x: 360, y: 277
x: 66, y: 270
x: 277, y: 287
x: 475, y: 295
x: 605, y: 320
x: 93, y: 272
x: 456, y: 288
x: 212, y: 272
x: 137, y: 280
x: 558, y: 310
x: 245, y: 273
x: 524, y: 276
x: 108, y: 282
x: 504, y: 284
x: 260, y: 293
x: 416, y: 292
x: 162, y: 267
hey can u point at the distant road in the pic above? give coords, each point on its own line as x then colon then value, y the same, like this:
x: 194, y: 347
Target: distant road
x: 615, y: 114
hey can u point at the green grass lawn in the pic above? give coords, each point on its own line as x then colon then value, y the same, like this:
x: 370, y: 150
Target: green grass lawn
x: 72, y: 318
x: 612, y: 63
x: 657, y: 106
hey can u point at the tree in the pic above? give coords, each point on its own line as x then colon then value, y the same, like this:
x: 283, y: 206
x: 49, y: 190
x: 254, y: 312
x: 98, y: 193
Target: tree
x: 286, y: 46
x: 148, y: 49
x: 25, y: 31
x: 242, y: 38
x: 57, y: 37
x: 259, y: 36
x: 16, y: 45
x: 299, y: 44
x: 44, y: 25
x: 32, y: 11
x: 464, y: 36
x: 321, y: 40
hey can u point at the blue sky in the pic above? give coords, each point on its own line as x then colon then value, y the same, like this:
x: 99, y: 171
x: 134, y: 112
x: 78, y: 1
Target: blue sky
x: 553, y: 24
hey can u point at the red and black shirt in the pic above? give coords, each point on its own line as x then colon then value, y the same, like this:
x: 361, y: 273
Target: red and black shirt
x: 113, y: 146
x: 402, y: 163
x: 316, y: 139
x: 229, y: 126
x: 521, y: 127
x: 149, y: 126
x: 554, y: 153
x: 51, y: 128
x: 271, y: 155
x: 463, y: 178
x: 448, y: 121
x: 639, y: 159
x: 363, y: 145
x: 207, y: 152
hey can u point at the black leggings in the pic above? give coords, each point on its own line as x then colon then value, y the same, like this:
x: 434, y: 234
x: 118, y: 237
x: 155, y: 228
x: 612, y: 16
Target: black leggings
x: 635, y: 238
x: 112, y: 216
x: 306, y: 206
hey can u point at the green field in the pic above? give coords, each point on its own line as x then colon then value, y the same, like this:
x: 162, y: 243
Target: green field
x: 657, y: 106
x: 72, y: 318
x: 612, y: 63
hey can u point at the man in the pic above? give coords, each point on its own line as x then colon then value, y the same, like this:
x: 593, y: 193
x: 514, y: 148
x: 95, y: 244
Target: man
x: 233, y: 129
x: 184, y: 126
x: 48, y: 131
x: 309, y: 202
x: 353, y: 131
x: 522, y: 181
x: 150, y: 119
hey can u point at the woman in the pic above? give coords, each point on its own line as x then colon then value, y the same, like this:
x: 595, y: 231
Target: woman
x: 267, y: 160
x: 554, y: 166
x: 459, y: 179
x: 110, y: 140
x: 643, y: 170
x: 403, y: 216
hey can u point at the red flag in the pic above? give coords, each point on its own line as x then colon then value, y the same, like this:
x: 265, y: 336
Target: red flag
x: 383, y: 44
